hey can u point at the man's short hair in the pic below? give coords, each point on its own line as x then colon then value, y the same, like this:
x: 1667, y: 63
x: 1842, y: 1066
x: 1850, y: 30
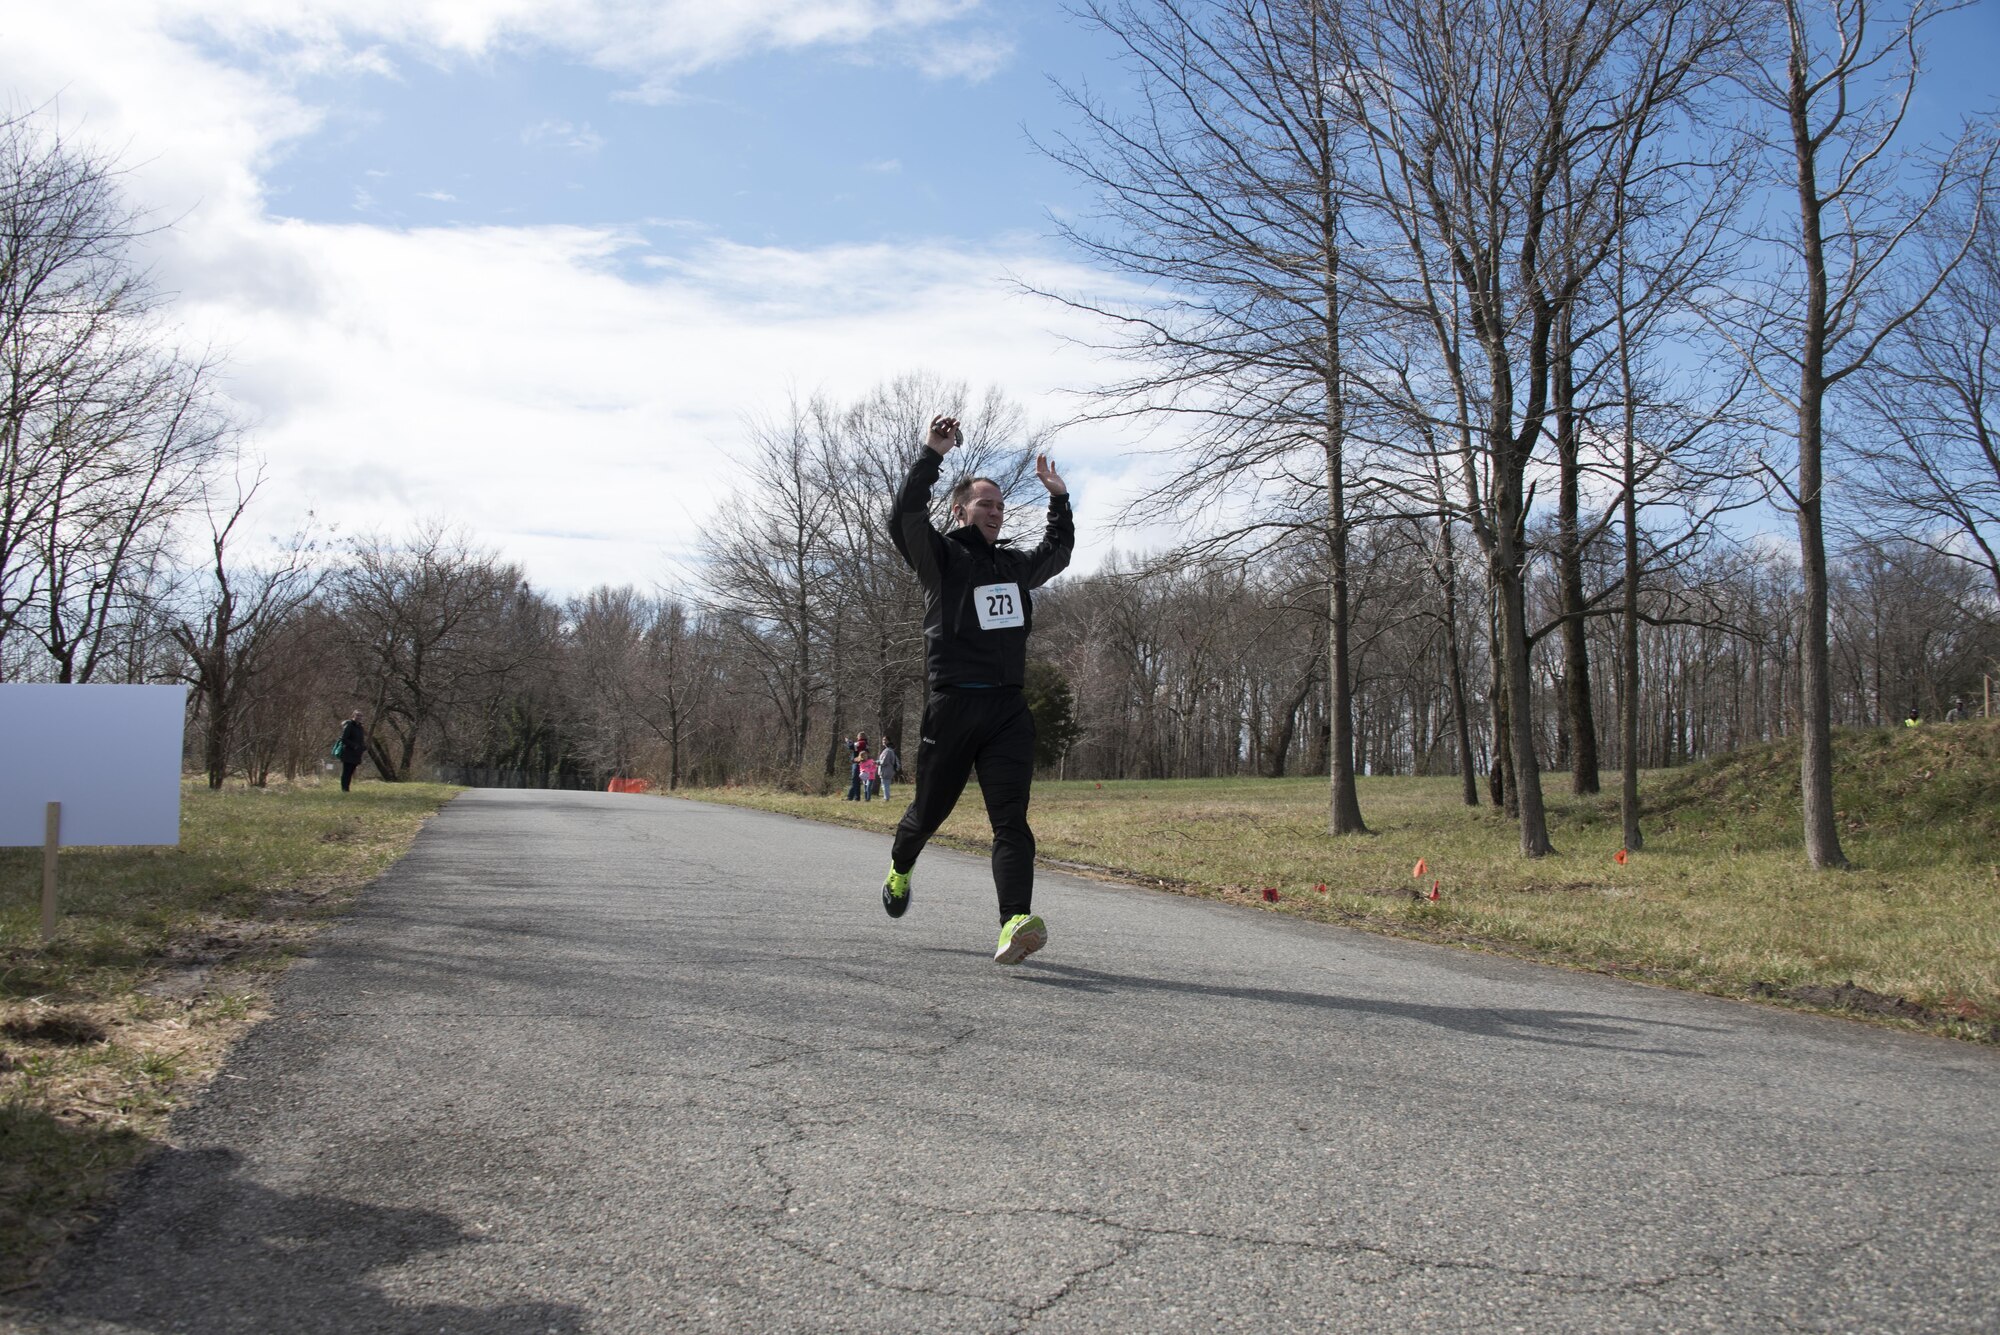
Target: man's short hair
x: 962, y: 489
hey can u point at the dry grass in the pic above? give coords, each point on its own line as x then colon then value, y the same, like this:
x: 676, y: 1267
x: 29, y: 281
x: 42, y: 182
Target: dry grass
x: 1720, y: 899
x: 164, y: 958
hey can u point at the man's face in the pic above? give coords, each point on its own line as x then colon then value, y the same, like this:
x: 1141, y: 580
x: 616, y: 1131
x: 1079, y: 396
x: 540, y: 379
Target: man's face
x: 984, y: 510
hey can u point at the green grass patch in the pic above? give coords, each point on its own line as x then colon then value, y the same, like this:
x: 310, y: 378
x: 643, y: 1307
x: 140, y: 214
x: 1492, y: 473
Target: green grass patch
x: 1719, y: 900
x: 163, y: 957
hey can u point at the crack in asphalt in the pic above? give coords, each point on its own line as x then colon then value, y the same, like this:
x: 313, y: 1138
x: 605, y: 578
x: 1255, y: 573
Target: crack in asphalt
x: 1125, y: 1250
x: 799, y: 1119
x: 1901, y: 1170
x: 768, y: 1224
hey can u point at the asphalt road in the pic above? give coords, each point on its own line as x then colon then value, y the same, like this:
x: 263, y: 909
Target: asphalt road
x: 602, y: 1063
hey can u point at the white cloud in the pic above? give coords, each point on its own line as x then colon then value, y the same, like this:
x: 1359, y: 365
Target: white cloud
x: 655, y: 41
x: 438, y: 196
x: 514, y: 378
x: 968, y: 56
x: 886, y: 166
x: 564, y: 135
x: 522, y: 381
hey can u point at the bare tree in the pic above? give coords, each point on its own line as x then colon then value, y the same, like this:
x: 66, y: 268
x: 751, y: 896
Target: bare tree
x: 291, y: 709
x: 1837, y: 82
x: 679, y: 673
x: 429, y: 627
x: 229, y: 626
x: 124, y: 464
x: 104, y: 427
x: 606, y: 632
x: 1928, y: 439
x: 1225, y: 192
x: 1499, y: 134
x: 765, y: 567
x: 644, y: 668
x: 1910, y: 630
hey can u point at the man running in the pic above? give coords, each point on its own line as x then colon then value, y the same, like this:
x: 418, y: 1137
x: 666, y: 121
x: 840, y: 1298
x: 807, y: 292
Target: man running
x: 977, y: 615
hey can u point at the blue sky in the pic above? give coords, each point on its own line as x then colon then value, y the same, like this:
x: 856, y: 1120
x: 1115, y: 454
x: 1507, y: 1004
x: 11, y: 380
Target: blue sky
x: 532, y: 266
x: 789, y: 148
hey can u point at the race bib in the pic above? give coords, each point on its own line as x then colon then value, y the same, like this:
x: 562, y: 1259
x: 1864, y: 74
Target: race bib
x: 999, y: 606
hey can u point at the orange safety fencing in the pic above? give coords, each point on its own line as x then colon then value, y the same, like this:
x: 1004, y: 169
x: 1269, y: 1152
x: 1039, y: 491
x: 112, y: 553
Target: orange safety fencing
x: 628, y: 786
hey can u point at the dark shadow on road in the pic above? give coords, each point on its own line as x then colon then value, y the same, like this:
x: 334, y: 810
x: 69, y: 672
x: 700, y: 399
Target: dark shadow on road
x: 1576, y: 1029
x: 195, y: 1247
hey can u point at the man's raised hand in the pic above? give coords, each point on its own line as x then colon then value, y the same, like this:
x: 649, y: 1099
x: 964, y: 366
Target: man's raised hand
x: 944, y: 434
x: 1046, y: 471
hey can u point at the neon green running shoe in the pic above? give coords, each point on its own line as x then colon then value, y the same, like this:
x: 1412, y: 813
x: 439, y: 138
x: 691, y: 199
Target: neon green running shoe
x: 1024, y: 934
x: 896, y: 893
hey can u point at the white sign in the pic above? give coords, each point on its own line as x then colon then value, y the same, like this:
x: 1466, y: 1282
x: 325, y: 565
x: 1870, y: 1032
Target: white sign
x: 110, y: 754
x: 999, y: 606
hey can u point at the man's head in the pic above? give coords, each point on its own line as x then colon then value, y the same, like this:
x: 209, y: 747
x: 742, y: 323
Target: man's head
x: 357, y: 716
x: 977, y: 501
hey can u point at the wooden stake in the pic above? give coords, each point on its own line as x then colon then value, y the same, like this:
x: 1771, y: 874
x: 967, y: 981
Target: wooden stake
x: 51, y: 841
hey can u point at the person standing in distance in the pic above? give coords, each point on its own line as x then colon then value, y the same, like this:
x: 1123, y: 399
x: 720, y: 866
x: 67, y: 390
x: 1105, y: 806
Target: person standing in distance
x: 887, y: 763
x: 353, y: 746
x: 977, y: 615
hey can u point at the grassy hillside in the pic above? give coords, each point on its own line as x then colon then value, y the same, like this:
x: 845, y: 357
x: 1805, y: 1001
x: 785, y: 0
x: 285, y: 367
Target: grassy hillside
x: 1917, y: 793
x: 1719, y: 900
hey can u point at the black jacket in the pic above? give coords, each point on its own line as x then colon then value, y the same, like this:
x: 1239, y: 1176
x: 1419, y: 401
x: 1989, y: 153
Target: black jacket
x: 353, y: 743
x: 968, y: 642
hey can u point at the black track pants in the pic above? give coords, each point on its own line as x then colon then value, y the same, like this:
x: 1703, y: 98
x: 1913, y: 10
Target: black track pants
x: 991, y: 732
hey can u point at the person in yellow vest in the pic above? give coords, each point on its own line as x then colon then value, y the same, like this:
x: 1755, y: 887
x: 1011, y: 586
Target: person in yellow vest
x: 1913, y: 721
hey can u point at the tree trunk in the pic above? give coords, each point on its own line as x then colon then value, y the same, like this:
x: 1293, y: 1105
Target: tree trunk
x: 1583, y: 758
x: 1527, y: 784
x: 673, y: 748
x: 1468, y: 778
x: 1822, y: 834
x: 215, y: 755
x: 838, y: 707
x: 1343, y: 802
x: 1500, y: 776
x: 1583, y: 763
x: 1628, y: 633
x: 1279, y: 746
x: 889, y: 695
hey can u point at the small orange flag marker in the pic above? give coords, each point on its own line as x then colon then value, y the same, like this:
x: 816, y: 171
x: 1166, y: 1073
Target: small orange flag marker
x: 1621, y: 857
x: 1417, y: 872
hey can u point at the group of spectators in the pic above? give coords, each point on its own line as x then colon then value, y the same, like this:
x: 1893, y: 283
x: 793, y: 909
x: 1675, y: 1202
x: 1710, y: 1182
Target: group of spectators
x: 869, y: 772
x: 1957, y: 713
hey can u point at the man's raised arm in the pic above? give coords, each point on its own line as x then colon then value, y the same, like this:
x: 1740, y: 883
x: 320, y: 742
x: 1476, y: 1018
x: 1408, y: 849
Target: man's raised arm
x: 1051, y: 556
x: 910, y: 520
